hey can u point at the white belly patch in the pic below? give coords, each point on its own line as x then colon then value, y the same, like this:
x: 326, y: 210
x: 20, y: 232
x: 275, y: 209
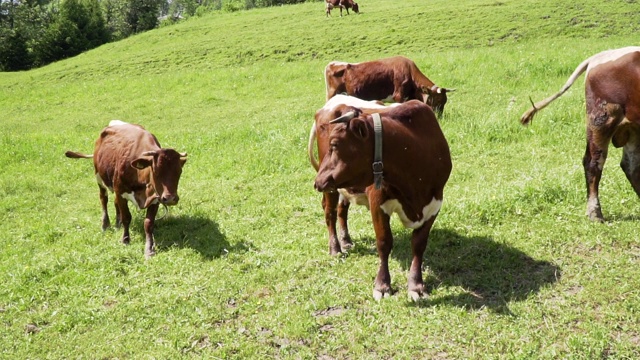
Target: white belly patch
x: 394, y: 206
x: 102, y: 184
x: 140, y: 201
x: 358, y: 199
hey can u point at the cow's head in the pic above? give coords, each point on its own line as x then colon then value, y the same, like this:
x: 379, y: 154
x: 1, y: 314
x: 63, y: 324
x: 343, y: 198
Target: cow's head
x: 166, y: 168
x: 436, y: 97
x: 334, y: 78
x: 350, y: 156
x: 355, y: 8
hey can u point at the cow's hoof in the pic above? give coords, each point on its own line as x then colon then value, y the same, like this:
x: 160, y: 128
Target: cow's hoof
x: 378, y: 294
x: 416, y: 295
x: 335, y: 252
x: 595, y: 216
x: 126, y: 240
x: 149, y: 254
x: 346, y: 243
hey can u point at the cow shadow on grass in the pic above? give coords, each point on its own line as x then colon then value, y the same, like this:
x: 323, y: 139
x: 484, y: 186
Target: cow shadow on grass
x: 472, y: 272
x: 196, y: 232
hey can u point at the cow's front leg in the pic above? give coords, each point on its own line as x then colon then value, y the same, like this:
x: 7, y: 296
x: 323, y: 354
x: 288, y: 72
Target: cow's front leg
x: 329, y: 204
x: 125, y: 216
x: 384, y: 244
x: 104, y: 201
x: 149, y: 222
x: 343, y: 215
x: 419, y: 240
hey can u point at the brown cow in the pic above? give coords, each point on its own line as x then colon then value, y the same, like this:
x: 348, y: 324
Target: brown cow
x: 336, y: 204
x: 612, y: 88
x: 342, y: 4
x: 408, y: 176
x: 391, y: 79
x: 129, y: 161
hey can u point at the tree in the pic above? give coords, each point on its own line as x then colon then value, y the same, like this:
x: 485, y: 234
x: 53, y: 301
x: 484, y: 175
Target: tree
x: 143, y: 15
x: 13, y: 51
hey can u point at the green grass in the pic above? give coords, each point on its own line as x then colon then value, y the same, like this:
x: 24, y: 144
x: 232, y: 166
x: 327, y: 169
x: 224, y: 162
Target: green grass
x: 515, y: 269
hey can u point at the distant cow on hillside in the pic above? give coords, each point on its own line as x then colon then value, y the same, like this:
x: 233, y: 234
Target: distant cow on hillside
x: 129, y: 161
x: 612, y: 89
x: 342, y: 4
x: 391, y: 79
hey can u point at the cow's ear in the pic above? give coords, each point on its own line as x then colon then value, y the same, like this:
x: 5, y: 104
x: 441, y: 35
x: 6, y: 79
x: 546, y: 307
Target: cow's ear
x: 359, y: 128
x: 142, y: 162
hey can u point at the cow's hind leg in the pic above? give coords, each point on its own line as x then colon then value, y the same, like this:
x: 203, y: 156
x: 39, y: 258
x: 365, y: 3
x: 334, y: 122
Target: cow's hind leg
x: 329, y: 204
x: 629, y: 138
x: 343, y: 214
x: 602, y: 120
x: 104, y: 201
x: 419, y: 240
x: 125, y: 216
x: 149, y: 222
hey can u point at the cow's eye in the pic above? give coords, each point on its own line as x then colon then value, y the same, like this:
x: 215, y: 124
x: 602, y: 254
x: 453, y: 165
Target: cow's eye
x: 333, y: 146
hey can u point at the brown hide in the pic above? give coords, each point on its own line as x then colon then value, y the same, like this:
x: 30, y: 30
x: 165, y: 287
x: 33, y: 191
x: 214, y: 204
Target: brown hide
x: 129, y: 161
x: 417, y: 165
x: 335, y: 205
x: 612, y: 94
x: 396, y: 78
x: 341, y: 4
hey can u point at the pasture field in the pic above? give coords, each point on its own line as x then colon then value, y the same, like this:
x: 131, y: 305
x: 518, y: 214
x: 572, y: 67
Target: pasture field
x: 515, y: 269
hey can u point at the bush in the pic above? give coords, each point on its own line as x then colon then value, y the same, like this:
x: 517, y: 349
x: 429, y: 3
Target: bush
x: 14, y: 55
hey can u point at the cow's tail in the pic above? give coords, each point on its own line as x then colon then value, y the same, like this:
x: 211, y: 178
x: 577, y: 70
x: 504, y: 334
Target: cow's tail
x: 77, y: 155
x: 312, y: 140
x: 527, y: 117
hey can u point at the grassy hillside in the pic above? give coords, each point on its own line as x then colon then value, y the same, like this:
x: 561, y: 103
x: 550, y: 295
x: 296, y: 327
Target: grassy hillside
x: 515, y: 268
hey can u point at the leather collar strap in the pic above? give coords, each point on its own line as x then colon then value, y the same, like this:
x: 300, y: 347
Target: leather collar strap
x: 377, y: 154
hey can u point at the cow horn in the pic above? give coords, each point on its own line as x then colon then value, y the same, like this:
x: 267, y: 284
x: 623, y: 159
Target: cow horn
x: 149, y: 153
x: 183, y: 155
x: 344, y: 118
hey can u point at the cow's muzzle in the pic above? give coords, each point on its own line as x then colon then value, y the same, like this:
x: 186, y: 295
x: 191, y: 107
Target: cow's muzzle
x: 324, y: 185
x: 169, y: 199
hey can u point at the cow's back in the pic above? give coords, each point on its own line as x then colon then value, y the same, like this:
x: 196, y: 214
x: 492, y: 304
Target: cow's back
x: 429, y: 151
x: 117, y: 147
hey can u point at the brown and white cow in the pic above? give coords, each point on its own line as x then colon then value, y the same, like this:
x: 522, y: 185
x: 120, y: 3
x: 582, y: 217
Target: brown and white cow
x: 414, y: 165
x: 341, y: 4
x: 130, y: 162
x: 612, y: 89
x: 391, y: 79
x: 336, y: 204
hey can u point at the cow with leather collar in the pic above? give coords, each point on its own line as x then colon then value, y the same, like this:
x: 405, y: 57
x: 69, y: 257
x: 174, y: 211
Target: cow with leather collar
x: 336, y: 203
x: 129, y: 161
x: 394, y: 79
x: 416, y: 167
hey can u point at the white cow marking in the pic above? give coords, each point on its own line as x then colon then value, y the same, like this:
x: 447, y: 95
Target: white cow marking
x: 102, y: 184
x: 610, y: 55
x: 117, y: 122
x: 358, y: 199
x: 430, y: 210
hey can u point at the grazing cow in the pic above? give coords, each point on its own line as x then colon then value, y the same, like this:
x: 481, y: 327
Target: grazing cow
x: 336, y: 204
x: 612, y: 89
x: 129, y: 161
x: 342, y: 4
x: 396, y: 161
x: 391, y: 79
